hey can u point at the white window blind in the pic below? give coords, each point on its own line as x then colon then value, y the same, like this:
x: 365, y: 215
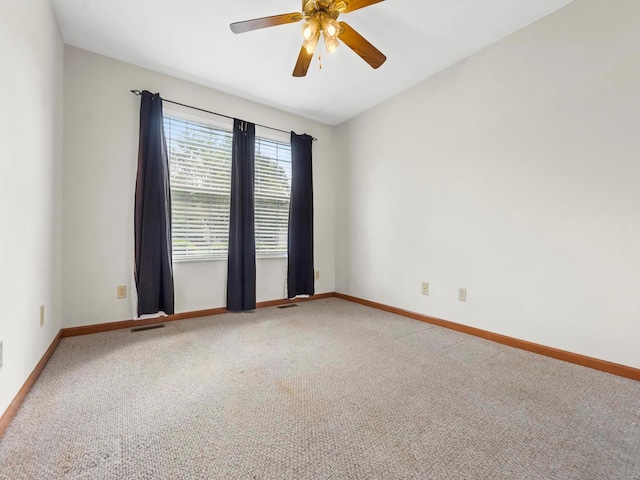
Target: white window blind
x: 200, y: 168
x: 272, y: 193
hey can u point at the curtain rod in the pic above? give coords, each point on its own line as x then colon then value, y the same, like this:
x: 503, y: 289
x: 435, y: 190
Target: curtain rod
x: 138, y: 93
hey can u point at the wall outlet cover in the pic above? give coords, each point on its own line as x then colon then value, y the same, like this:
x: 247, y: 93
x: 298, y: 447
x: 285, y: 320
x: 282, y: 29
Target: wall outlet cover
x: 425, y: 288
x: 462, y: 294
x: 122, y: 291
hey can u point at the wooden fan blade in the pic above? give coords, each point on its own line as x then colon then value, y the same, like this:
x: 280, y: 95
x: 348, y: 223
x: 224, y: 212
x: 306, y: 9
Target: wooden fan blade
x: 304, y: 59
x: 302, y: 65
x: 352, y: 5
x: 361, y: 46
x: 256, y: 23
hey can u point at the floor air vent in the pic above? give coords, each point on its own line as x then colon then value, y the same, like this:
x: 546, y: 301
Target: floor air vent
x: 148, y: 327
x: 291, y: 305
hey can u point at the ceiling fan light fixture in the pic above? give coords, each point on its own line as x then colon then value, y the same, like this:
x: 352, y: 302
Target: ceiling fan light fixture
x: 309, y: 29
x: 331, y: 28
x: 310, y: 45
x: 330, y: 43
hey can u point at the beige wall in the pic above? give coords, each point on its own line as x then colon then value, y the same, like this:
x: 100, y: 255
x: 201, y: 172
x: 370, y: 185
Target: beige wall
x: 513, y: 174
x: 31, y: 53
x: 100, y: 154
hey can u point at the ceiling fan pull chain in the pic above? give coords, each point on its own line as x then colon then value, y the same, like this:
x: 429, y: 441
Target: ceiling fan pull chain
x: 320, y: 60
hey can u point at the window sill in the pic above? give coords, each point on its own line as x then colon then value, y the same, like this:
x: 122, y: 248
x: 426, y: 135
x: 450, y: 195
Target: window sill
x: 224, y: 259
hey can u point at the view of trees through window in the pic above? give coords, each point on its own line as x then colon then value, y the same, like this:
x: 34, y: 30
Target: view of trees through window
x: 200, y: 177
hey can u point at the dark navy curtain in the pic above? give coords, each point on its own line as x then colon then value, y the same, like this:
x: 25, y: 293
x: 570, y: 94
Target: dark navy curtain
x: 300, y: 279
x: 241, y: 267
x: 153, y: 257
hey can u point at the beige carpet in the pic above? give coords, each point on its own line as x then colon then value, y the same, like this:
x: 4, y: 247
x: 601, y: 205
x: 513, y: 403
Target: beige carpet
x: 326, y: 390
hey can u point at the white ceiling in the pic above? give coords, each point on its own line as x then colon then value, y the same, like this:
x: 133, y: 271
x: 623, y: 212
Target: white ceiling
x: 191, y: 39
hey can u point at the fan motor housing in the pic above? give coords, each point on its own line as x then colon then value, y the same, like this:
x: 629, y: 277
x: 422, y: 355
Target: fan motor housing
x: 330, y: 7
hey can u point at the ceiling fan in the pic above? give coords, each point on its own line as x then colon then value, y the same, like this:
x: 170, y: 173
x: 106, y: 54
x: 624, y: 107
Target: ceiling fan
x: 321, y: 19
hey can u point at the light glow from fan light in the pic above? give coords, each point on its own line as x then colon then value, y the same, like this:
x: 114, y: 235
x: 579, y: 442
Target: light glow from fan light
x: 309, y: 29
x: 331, y: 28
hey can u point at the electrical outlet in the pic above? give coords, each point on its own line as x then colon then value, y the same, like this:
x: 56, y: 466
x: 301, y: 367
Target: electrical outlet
x: 462, y: 294
x: 41, y: 315
x: 0, y: 354
x: 122, y: 291
x: 317, y: 274
x: 425, y: 288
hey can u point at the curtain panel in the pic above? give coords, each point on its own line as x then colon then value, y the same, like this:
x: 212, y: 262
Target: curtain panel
x: 241, y: 267
x: 300, y: 279
x: 153, y: 257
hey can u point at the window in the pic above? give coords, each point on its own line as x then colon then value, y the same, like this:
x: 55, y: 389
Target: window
x: 200, y: 167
